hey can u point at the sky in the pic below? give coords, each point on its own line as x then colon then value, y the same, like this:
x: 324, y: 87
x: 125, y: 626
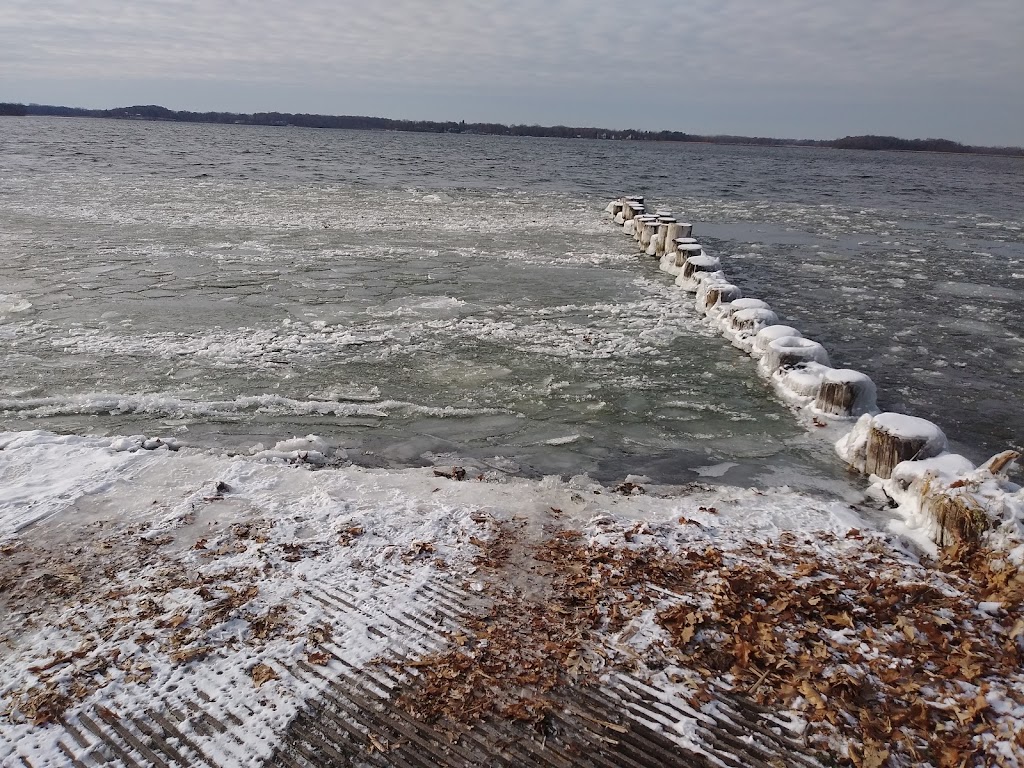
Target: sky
x: 785, y: 68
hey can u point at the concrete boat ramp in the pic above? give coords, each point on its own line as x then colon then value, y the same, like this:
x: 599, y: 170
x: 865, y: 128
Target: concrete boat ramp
x: 358, y: 718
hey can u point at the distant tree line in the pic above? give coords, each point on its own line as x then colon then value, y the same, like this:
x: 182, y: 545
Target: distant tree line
x: 154, y: 112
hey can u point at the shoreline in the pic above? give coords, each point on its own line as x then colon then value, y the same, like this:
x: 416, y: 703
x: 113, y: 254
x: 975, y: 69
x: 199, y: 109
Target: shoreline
x: 553, y: 132
x: 175, y: 591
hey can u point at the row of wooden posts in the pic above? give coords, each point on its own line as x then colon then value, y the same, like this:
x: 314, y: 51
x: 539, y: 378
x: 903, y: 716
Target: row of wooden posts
x: 798, y: 367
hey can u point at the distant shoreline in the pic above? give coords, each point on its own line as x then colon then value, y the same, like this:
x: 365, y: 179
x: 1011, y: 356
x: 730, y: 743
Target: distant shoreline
x: 284, y: 119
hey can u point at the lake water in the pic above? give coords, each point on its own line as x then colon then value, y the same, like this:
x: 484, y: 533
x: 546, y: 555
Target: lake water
x: 421, y: 299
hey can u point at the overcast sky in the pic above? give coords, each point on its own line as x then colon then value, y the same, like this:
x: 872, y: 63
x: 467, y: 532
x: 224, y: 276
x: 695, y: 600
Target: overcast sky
x: 787, y: 68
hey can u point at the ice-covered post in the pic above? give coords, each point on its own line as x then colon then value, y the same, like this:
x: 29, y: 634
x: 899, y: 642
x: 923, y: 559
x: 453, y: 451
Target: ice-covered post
x: 720, y: 293
x: 789, y: 351
x: 752, y: 321
x: 680, y: 254
x: 846, y: 393
x: 619, y: 217
x: 649, y: 232
x: 694, y: 260
x: 894, y: 438
x: 676, y: 230
x: 661, y: 239
x: 640, y: 224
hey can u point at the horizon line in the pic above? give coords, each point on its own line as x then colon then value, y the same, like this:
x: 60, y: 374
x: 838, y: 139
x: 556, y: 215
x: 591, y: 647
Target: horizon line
x: 159, y: 113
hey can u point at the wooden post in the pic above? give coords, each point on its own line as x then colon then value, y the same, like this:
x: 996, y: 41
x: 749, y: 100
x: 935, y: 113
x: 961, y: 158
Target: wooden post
x: 640, y: 223
x: 680, y: 254
x: 751, y: 321
x: 802, y: 382
x: 719, y: 293
x: 695, y: 261
x: 894, y: 438
x: 700, y: 283
x: 620, y: 216
x: 846, y: 393
x: 673, y: 234
x: 661, y: 239
x: 767, y: 335
x: 789, y: 351
x: 649, y: 231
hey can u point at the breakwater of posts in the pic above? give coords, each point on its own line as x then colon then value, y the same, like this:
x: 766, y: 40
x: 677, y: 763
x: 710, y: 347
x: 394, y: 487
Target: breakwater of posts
x: 942, y: 497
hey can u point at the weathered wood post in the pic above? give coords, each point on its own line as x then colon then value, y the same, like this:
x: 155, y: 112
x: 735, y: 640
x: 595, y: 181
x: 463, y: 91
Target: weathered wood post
x: 894, y: 437
x: 789, y: 351
x: 675, y: 231
x: 661, y: 239
x: 694, y: 260
x: 718, y: 293
x: 650, y: 231
x: 629, y: 214
x: 767, y: 335
x: 752, y: 321
x: 620, y: 215
x: 846, y: 393
x: 679, y: 254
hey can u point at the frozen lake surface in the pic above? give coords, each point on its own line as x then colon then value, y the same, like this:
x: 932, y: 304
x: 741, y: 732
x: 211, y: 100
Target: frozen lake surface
x: 418, y: 299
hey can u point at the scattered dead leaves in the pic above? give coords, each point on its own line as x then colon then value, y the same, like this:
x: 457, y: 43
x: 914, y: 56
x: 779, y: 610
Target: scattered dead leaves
x: 877, y: 652
x: 418, y: 550
x: 886, y: 658
x: 349, y: 534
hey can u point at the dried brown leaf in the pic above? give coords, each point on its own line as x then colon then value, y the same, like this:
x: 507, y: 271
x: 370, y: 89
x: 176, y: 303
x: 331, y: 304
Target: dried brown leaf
x: 262, y: 673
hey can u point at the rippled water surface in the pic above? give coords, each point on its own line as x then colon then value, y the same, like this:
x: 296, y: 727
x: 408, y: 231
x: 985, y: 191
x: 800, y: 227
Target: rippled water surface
x: 414, y: 297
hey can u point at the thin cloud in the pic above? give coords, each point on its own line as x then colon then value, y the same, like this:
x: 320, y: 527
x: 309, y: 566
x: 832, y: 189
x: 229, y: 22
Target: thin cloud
x: 683, y: 51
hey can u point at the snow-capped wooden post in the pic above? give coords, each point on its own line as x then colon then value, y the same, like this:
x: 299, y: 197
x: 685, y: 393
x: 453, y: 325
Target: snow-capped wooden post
x: 619, y: 217
x: 720, y: 293
x: 661, y: 240
x: 789, y: 351
x: 676, y: 231
x: 647, y: 230
x: 752, y: 321
x: 648, y: 233
x: 637, y: 223
x: 894, y: 437
x: 695, y: 261
x: 680, y: 254
x: 846, y: 393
